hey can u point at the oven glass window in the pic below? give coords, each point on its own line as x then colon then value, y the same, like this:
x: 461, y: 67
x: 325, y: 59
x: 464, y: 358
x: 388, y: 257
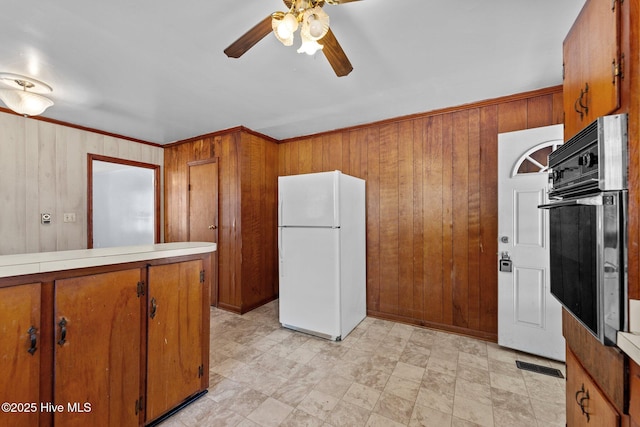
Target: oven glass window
x: 573, y: 261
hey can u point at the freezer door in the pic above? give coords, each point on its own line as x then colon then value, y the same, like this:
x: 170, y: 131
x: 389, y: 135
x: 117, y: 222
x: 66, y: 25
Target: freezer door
x: 309, y: 200
x: 309, y: 280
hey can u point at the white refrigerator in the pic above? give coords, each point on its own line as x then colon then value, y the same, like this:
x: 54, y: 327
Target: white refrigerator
x: 322, y: 253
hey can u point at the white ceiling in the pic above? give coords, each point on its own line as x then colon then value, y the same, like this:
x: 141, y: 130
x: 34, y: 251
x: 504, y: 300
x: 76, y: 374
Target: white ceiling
x: 155, y: 69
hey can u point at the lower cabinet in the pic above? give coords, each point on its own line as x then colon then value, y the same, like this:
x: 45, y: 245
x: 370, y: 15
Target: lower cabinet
x: 97, y: 350
x: 123, y: 347
x: 175, y: 365
x: 586, y: 405
x: 634, y: 398
x: 20, y: 355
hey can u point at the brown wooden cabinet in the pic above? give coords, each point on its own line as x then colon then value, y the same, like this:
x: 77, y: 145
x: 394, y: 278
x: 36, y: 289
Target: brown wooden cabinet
x: 97, y: 349
x: 592, y: 65
x: 634, y: 398
x: 20, y: 354
x: 586, y: 404
x: 109, y: 345
x: 175, y: 360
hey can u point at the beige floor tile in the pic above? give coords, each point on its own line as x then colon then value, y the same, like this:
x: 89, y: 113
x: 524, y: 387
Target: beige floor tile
x: 394, y: 408
x: 270, y: 413
x: 383, y: 374
x: 334, y: 385
x: 435, y: 399
x: 361, y: 395
x: 480, y: 393
x: 376, y: 420
x: 318, y: 404
x: 402, y: 387
x: 424, y: 416
x: 473, y: 411
x: 346, y: 414
x: 298, y: 418
x: 509, y: 383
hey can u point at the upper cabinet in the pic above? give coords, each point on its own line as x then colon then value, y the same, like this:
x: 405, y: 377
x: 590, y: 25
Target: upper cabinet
x: 592, y: 65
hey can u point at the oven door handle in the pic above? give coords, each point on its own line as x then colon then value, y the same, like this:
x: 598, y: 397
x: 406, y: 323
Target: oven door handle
x: 590, y: 201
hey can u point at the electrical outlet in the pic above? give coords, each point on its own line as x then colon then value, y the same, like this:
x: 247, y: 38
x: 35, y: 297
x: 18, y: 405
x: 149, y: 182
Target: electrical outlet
x: 69, y: 217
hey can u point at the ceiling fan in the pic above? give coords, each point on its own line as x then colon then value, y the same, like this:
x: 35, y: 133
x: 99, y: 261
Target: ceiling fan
x: 314, y: 31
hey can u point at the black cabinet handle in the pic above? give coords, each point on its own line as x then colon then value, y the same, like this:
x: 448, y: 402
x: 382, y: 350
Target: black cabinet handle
x: 581, y: 401
x: 63, y: 331
x: 33, y: 338
x: 154, y: 307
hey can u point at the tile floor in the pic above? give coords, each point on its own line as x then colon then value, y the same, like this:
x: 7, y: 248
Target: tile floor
x: 383, y: 374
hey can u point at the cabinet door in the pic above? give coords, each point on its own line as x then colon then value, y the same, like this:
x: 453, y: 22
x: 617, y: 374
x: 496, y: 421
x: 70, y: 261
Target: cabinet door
x: 586, y: 405
x: 175, y: 334
x: 20, y: 354
x: 591, y: 63
x: 97, y: 350
x: 634, y: 385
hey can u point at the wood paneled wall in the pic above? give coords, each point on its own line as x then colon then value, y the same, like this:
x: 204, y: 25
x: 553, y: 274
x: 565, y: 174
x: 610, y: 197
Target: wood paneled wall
x: 43, y: 168
x: 431, y: 205
x: 247, y: 211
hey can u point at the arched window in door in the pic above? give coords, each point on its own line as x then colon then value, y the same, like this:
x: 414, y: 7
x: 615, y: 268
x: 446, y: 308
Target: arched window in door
x: 535, y: 159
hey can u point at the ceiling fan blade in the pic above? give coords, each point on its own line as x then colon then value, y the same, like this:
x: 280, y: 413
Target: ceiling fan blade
x: 249, y: 39
x: 335, y: 55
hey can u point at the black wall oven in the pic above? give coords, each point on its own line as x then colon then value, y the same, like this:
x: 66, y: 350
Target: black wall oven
x: 588, y: 226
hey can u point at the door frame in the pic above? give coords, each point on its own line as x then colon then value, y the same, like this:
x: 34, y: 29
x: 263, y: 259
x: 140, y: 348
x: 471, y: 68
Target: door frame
x: 156, y: 191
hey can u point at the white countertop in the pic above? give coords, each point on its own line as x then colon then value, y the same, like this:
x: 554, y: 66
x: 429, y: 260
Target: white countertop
x: 630, y: 344
x: 42, y: 262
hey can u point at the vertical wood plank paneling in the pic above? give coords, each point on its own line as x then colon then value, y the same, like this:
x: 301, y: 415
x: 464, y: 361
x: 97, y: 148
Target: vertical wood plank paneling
x: 12, y: 204
x: 460, y: 218
x: 316, y: 154
x: 32, y: 191
x: 405, y: 221
x: 431, y: 207
x: 418, y: 218
x: 389, y: 219
x: 448, y: 195
x: 488, y: 285
x: 305, y: 156
x: 474, y: 219
x: 512, y: 116
x: 346, y: 153
x: 371, y: 153
x: 43, y: 169
x: 433, y: 221
x: 48, y: 186
x: 539, y: 111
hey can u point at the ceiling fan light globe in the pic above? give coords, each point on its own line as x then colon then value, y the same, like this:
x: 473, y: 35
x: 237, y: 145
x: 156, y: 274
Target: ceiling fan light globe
x: 316, y: 28
x: 282, y: 31
x: 315, y: 23
x: 309, y: 46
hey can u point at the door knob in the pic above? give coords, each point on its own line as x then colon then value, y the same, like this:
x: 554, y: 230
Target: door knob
x: 213, y: 227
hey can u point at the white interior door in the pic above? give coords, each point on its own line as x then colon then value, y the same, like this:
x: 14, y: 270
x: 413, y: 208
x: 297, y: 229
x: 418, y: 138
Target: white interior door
x: 529, y: 317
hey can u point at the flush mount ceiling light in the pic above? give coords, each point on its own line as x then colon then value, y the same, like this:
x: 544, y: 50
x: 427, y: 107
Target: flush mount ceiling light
x: 315, y: 33
x: 24, y: 98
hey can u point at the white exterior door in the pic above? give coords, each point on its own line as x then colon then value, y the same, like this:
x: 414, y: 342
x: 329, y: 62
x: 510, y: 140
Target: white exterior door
x: 529, y: 317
